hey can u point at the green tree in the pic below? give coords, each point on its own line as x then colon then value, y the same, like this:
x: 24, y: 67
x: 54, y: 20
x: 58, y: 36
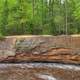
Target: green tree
x: 4, y: 18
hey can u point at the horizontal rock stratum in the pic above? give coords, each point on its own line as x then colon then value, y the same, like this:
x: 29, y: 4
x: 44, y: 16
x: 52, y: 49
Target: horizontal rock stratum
x: 60, y: 49
x: 39, y: 71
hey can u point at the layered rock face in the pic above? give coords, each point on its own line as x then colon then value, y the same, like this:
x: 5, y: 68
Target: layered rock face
x: 61, y: 49
x: 44, y: 58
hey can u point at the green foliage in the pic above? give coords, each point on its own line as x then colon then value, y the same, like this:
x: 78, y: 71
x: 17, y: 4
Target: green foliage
x: 37, y: 17
x: 2, y: 37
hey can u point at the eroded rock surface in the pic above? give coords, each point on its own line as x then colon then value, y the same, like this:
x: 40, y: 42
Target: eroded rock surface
x: 61, y: 49
x: 58, y: 50
x: 39, y: 71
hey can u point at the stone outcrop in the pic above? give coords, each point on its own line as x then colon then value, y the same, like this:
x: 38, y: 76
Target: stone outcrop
x: 54, y: 51
x: 60, y: 49
x: 39, y: 71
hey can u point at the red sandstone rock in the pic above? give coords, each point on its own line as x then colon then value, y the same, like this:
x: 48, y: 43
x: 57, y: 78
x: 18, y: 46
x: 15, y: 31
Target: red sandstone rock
x: 62, y: 49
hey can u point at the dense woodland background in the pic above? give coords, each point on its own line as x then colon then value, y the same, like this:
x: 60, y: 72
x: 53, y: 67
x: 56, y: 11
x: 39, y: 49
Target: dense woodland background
x: 54, y: 17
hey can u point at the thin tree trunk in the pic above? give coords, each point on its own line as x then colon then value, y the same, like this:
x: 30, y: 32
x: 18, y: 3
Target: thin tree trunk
x: 66, y: 15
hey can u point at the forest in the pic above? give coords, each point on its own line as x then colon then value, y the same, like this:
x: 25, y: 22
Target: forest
x: 39, y: 17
